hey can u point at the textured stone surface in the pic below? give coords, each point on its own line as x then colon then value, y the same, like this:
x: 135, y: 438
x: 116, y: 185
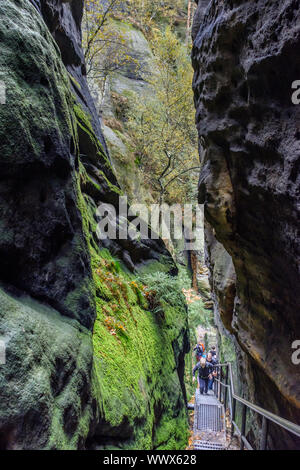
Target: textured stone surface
x: 45, y: 383
x: 120, y: 88
x: 245, y: 57
x: 223, y: 279
x: 54, y: 172
x: 42, y: 248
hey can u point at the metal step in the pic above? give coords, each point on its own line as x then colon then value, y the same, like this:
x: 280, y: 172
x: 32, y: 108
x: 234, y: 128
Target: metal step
x: 209, y: 418
x: 207, y: 445
x: 209, y: 423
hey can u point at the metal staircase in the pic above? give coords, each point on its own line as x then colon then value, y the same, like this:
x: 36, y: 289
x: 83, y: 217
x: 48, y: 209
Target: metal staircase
x: 209, y: 423
x: 209, y: 416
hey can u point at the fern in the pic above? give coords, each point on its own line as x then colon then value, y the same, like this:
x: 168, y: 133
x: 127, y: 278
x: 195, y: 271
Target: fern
x: 164, y: 289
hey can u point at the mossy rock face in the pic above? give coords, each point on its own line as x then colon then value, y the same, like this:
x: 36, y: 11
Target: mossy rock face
x: 42, y: 247
x: 63, y: 387
x: 45, y: 383
x: 138, y: 365
x: 45, y: 399
x: 132, y: 78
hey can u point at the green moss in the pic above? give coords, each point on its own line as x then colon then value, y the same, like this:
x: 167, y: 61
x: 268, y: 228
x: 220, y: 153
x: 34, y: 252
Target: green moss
x: 96, y: 151
x: 84, y: 121
x: 40, y: 339
x: 135, y: 365
x: 134, y: 372
x: 74, y: 81
x: 135, y: 351
x: 152, y: 267
x: 226, y: 349
x: 31, y: 114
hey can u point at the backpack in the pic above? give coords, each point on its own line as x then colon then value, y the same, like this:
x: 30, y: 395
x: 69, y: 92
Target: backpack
x: 200, y: 349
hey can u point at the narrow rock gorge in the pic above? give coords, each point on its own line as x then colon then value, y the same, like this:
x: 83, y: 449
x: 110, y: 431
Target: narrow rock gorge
x: 97, y: 332
x: 245, y: 57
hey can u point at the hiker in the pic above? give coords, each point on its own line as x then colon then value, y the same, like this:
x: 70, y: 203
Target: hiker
x: 213, y: 361
x: 213, y: 351
x: 205, y: 370
x: 199, y: 350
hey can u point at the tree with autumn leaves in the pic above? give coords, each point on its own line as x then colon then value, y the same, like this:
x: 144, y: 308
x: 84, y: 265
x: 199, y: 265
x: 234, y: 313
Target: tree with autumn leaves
x: 147, y: 13
x: 105, y: 47
x: 162, y: 125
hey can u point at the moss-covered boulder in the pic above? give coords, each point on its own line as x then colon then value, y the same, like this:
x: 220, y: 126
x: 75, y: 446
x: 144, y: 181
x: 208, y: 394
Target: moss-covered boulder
x: 46, y: 381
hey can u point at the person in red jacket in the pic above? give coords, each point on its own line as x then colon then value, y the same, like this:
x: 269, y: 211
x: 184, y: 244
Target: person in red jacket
x: 199, y: 350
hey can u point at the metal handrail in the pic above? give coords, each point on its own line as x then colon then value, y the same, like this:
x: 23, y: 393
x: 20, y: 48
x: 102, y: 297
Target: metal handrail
x: 267, y: 415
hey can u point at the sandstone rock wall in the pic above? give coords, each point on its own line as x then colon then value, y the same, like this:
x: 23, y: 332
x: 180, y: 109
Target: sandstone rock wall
x: 245, y: 57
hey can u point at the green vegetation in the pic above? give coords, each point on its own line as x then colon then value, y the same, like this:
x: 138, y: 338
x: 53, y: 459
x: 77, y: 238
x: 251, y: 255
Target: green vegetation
x: 226, y: 349
x: 136, y: 349
x: 162, y: 125
x: 155, y: 138
x: 40, y: 112
x: 140, y: 333
x: 198, y: 315
x: 84, y: 125
x: 124, y: 376
x: 164, y: 289
x: 135, y: 363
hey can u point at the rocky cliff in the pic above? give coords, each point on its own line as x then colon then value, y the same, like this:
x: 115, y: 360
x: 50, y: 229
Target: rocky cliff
x: 245, y: 57
x: 88, y: 363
